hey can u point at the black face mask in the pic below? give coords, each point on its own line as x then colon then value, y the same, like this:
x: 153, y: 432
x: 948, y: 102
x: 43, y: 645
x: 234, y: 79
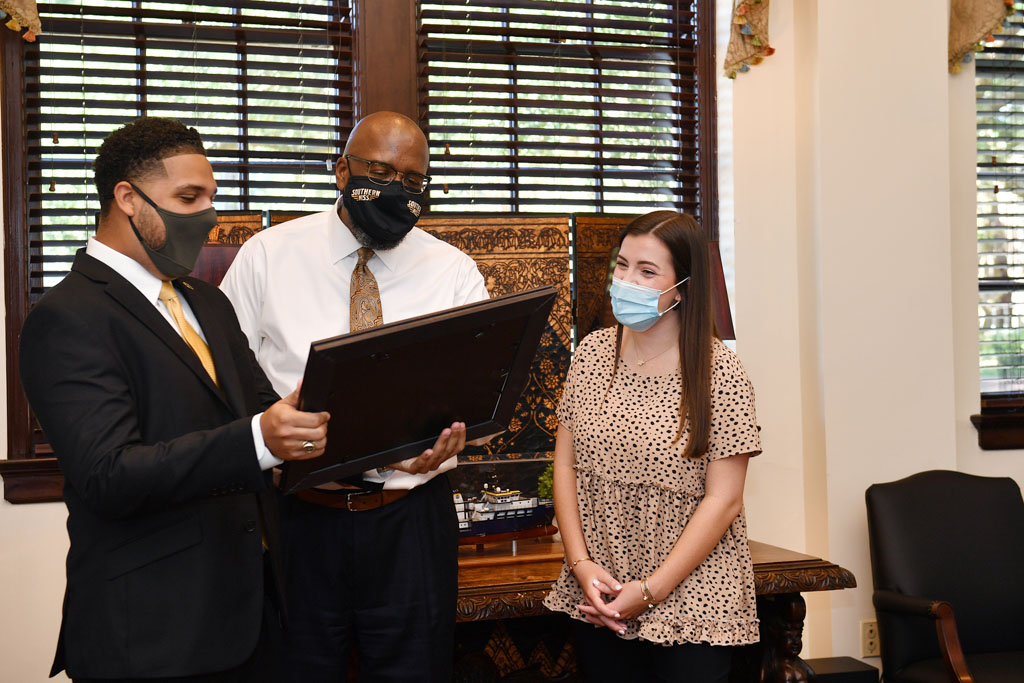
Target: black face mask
x: 384, y: 212
x: 185, y: 234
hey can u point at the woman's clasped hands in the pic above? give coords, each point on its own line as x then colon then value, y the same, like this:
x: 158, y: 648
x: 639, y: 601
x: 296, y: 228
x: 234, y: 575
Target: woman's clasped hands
x: 609, y: 603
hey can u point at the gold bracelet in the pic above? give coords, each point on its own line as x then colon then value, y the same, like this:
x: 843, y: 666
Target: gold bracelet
x: 582, y: 559
x: 645, y: 591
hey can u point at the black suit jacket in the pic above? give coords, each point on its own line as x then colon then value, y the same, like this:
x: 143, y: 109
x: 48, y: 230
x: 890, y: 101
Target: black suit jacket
x: 164, y: 493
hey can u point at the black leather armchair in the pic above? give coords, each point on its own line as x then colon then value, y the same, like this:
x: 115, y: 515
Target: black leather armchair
x: 944, y: 544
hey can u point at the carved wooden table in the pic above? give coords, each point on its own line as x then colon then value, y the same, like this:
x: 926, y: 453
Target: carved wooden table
x: 495, y: 585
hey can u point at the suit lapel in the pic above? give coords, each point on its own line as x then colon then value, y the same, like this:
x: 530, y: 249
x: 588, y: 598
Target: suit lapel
x: 224, y: 355
x: 125, y: 294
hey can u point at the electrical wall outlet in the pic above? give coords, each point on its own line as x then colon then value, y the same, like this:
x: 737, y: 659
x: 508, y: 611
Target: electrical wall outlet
x: 869, y: 643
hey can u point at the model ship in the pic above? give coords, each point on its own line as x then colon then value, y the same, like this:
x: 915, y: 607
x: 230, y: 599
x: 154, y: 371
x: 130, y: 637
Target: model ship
x: 503, y: 512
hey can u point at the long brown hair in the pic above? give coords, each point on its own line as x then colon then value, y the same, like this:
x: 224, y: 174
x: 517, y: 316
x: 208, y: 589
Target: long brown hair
x: 685, y: 240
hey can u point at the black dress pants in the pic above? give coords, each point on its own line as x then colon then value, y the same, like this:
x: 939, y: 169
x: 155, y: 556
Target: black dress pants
x: 604, y: 656
x: 381, y: 581
x: 260, y: 667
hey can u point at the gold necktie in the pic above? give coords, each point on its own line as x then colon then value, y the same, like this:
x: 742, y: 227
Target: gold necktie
x: 191, y: 337
x: 364, y: 296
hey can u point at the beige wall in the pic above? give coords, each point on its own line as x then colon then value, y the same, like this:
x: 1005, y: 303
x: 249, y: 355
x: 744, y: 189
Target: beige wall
x: 855, y: 277
x: 855, y: 299
x: 33, y: 544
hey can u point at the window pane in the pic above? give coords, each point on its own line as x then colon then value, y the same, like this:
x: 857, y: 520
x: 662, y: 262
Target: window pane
x: 566, y: 106
x: 1000, y: 114
x: 269, y: 90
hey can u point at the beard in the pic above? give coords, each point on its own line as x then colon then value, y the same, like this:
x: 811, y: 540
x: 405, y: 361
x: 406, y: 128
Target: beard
x: 151, y: 227
x: 366, y: 240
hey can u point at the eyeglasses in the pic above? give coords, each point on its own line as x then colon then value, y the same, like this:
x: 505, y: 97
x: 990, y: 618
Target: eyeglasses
x: 383, y: 173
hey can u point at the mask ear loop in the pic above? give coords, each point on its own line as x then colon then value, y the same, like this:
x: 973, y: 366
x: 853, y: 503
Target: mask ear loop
x: 674, y: 304
x: 677, y: 301
x: 676, y: 285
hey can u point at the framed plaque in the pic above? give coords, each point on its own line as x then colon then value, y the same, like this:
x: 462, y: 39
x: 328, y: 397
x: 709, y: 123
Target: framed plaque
x: 392, y: 389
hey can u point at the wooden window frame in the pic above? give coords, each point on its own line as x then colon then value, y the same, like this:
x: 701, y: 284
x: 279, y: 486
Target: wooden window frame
x: 1000, y: 422
x: 28, y: 477
x: 707, y: 142
x: 32, y: 477
x: 30, y: 472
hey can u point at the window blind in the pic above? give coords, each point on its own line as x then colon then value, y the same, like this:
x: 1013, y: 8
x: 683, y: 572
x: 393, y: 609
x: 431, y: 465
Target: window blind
x: 1000, y: 118
x: 268, y: 87
x: 565, y: 105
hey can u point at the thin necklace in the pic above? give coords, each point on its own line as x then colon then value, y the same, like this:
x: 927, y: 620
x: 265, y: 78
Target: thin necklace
x: 640, y: 361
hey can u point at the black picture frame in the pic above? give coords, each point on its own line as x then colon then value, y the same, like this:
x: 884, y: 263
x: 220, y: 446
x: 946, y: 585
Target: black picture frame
x: 392, y: 389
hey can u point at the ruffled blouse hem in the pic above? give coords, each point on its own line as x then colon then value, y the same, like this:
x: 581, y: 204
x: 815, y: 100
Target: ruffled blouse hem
x: 615, y: 485
x: 715, y: 633
x: 649, y: 627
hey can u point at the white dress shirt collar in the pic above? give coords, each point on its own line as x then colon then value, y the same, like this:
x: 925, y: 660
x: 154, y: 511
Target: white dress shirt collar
x: 342, y: 243
x: 149, y: 285
x: 127, y: 267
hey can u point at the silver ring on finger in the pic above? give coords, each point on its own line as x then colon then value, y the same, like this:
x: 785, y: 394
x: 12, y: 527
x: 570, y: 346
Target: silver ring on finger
x: 308, y: 446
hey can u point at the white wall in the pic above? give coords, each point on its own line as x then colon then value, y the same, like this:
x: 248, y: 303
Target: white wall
x: 856, y: 277
x: 775, y: 290
x: 885, y: 263
x: 33, y: 544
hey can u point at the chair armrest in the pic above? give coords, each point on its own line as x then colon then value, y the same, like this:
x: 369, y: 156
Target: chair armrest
x: 945, y: 627
x: 891, y: 601
x: 949, y: 644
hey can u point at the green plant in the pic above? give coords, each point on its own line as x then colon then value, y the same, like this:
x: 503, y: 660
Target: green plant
x: 546, y: 482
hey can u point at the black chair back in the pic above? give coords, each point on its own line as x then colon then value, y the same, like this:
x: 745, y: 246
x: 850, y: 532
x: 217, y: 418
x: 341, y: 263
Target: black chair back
x: 949, y: 536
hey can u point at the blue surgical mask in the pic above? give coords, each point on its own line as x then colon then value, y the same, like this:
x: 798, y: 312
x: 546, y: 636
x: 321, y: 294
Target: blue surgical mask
x: 636, y: 306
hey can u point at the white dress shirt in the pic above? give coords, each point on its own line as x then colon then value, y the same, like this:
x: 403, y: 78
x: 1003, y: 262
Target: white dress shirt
x: 149, y: 285
x: 289, y: 285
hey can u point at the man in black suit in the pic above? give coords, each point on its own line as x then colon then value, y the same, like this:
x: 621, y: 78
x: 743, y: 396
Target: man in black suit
x: 151, y: 399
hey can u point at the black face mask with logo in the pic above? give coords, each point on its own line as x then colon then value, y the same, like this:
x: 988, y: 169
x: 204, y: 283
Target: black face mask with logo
x: 384, y: 212
x: 185, y: 234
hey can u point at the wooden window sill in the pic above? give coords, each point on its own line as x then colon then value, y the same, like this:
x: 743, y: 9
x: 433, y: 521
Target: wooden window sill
x: 32, y: 480
x: 999, y: 431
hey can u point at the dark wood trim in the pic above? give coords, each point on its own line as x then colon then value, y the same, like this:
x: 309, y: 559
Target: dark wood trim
x: 1002, y: 403
x: 32, y: 480
x: 707, y: 117
x: 945, y: 626
x: 720, y: 293
x: 1000, y: 423
x: 949, y: 643
x: 1000, y: 431
x: 808, y: 575
x: 385, y: 49
x: 502, y: 602
x: 27, y: 478
x: 509, y: 536
x: 16, y: 243
x: 244, y: 175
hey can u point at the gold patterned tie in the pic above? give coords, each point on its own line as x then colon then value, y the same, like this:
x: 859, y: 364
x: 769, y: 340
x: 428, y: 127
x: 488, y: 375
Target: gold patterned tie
x: 364, y: 296
x: 191, y: 337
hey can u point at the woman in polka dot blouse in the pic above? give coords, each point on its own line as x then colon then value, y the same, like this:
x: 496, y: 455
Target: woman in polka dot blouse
x: 656, y: 425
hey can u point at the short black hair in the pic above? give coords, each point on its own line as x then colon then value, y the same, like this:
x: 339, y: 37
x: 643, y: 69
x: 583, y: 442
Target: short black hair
x: 136, y: 150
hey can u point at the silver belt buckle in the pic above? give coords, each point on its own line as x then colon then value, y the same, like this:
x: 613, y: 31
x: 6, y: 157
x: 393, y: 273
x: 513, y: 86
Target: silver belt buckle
x: 361, y: 494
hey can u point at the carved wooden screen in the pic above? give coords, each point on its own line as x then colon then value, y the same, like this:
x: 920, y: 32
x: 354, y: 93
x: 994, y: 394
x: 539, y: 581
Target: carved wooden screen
x: 513, y: 255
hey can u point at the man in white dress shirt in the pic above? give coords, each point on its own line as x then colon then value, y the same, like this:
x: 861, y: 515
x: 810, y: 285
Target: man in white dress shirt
x: 373, y: 568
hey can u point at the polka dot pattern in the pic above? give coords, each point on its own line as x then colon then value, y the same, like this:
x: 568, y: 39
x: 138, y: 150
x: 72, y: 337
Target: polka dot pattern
x: 636, y: 492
